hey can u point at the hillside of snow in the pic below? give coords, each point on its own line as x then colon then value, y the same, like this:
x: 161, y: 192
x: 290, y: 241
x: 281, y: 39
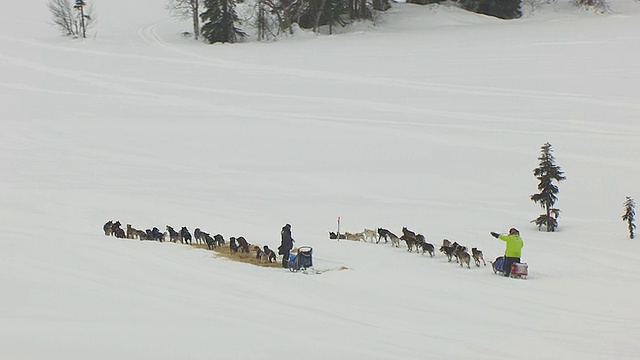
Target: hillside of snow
x: 432, y: 118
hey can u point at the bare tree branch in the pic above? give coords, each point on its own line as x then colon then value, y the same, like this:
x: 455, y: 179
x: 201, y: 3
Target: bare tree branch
x: 185, y: 10
x: 68, y: 19
x: 62, y: 15
x: 598, y: 5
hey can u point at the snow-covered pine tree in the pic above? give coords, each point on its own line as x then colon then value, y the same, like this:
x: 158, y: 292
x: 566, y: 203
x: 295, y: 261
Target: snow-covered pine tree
x: 546, y: 173
x: 630, y: 216
x: 220, y: 20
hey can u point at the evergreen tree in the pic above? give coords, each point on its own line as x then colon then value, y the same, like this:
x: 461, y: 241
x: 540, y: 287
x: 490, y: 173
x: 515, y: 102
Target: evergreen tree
x: 504, y: 9
x: 220, y: 20
x: 630, y: 216
x: 314, y: 14
x: 546, y: 173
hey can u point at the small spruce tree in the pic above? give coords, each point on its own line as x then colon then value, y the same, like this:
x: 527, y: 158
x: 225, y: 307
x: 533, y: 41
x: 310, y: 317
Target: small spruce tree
x: 546, y: 173
x: 630, y: 216
x: 220, y: 20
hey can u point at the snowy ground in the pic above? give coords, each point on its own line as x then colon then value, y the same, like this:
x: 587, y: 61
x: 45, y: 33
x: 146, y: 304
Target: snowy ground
x: 431, y: 119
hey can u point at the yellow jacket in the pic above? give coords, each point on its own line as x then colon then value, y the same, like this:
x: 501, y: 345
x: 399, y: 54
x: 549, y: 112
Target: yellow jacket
x: 514, y: 245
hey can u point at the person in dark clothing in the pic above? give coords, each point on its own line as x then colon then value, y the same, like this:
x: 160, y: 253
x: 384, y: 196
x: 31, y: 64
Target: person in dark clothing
x: 286, y: 245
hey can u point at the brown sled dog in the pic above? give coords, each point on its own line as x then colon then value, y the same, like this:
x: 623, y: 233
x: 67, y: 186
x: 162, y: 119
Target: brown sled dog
x: 463, y: 256
x: 477, y: 256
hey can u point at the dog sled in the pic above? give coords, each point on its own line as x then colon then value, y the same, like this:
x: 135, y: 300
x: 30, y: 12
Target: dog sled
x: 302, y: 260
x: 518, y: 270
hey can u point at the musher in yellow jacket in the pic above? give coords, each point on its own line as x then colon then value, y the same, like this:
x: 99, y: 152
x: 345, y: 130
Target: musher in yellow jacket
x: 514, y: 248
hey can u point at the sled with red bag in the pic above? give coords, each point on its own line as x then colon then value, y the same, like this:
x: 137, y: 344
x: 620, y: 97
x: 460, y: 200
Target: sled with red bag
x: 518, y: 270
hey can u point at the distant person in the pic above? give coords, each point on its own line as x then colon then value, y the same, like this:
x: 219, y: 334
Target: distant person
x: 286, y: 245
x: 512, y: 252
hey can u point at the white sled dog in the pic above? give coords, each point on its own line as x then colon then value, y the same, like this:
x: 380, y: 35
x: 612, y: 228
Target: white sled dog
x: 370, y: 235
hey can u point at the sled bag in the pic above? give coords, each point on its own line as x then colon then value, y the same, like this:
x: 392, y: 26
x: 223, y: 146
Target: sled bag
x: 520, y: 269
x: 304, y: 259
x: 497, y: 265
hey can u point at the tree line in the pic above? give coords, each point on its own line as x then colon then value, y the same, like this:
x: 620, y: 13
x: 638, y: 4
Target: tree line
x: 218, y: 21
x: 272, y: 18
x: 275, y: 17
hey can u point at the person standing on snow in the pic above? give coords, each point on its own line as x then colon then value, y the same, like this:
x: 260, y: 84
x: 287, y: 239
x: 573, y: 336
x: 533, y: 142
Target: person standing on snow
x: 513, y: 251
x: 286, y: 245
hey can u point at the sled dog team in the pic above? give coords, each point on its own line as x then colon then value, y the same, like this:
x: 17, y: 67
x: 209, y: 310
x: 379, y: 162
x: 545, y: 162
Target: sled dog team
x: 417, y: 241
x: 453, y: 250
x: 236, y: 244
x: 413, y: 240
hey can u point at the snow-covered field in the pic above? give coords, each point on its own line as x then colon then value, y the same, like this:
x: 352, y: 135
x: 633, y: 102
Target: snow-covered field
x: 431, y: 119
